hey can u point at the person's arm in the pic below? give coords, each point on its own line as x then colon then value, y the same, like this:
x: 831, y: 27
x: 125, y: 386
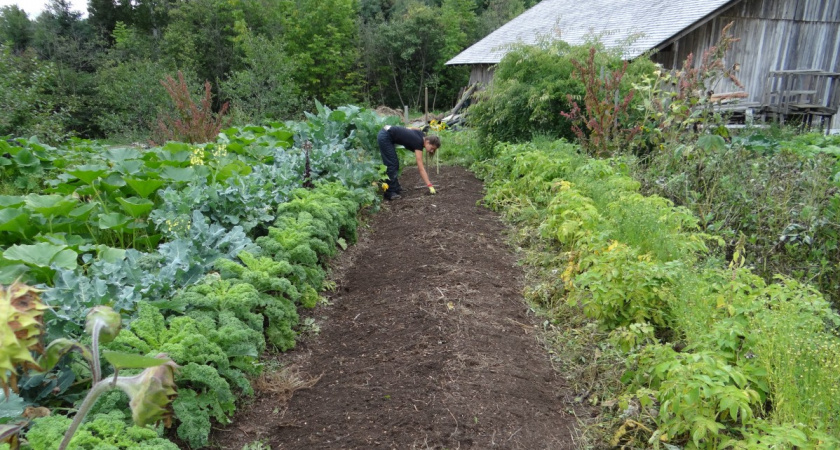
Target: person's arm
x: 419, y: 155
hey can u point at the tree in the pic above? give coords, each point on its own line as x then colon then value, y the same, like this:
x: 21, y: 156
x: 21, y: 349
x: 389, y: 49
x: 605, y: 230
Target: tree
x: 322, y: 35
x: 495, y: 13
x: 15, y: 28
x: 28, y: 106
x: 201, y: 38
x: 103, y: 15
x: 265, y: 87
x: 128, y: 85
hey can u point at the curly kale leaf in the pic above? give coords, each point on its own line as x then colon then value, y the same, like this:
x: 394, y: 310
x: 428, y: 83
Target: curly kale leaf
x: 224, y: 295
x: 282, y: 317
x: 262, y: 272
x: 194, y: 418
x: 111, y: 430
x: 213, y: 390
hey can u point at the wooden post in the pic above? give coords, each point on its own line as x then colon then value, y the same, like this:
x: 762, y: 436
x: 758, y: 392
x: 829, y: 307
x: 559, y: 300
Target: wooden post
x: 426, y: 113
x: 405, y: 114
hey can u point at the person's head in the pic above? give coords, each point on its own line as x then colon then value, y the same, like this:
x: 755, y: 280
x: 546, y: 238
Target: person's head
x: 431, y: 143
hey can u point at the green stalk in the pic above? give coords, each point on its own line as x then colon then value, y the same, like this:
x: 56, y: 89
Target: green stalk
x: 95, y: 363
x: 93, y: 395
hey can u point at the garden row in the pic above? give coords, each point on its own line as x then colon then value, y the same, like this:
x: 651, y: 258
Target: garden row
x: 715, y: 356
x: 206, y: 251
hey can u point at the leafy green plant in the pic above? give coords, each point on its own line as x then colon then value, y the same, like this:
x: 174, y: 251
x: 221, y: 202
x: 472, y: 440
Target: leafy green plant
x: 618, y: 286
x: 700, y: 396
x: 716, y: 356
x: 204, y: 390
x: 196, y: 200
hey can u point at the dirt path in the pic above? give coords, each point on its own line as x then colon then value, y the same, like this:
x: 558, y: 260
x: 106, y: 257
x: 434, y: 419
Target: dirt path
x: 426, y: 344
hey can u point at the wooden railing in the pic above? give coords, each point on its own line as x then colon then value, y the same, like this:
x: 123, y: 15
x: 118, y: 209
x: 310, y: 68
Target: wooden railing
x: 807, y: 95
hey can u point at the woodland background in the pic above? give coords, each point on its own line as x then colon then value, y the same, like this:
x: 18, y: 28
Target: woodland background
x: 64, y: 74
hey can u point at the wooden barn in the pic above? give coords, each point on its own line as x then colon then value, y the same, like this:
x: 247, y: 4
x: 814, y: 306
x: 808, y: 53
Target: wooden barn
x: 788, y: 53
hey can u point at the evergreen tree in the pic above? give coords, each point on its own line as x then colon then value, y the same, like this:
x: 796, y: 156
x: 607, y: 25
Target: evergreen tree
x: 15, y: 28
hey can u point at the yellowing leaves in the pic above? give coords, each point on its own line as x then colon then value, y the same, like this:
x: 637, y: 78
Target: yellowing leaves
x: 21, y: 325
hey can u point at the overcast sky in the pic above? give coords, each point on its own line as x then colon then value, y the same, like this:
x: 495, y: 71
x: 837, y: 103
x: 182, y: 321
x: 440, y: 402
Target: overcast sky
x: 35, y: 7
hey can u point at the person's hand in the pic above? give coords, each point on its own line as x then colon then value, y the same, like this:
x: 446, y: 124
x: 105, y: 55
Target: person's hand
x: 432, y: 190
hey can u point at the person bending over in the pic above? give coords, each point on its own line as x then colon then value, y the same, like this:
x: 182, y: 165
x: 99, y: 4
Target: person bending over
x: 412, y: 139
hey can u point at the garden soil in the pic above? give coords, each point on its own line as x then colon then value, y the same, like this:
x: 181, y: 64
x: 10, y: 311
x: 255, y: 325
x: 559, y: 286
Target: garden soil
x: 425, y: 342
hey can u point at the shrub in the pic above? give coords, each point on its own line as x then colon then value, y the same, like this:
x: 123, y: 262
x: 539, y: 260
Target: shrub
x: 602, y: 126
x: 130, y: 92
x: 529, y: 91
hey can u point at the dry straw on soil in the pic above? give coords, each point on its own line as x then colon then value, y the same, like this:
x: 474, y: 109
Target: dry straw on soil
x: 283, y: 383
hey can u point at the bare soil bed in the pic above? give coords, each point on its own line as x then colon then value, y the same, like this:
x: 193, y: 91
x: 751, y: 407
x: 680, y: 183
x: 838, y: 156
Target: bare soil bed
x: 425, y: 342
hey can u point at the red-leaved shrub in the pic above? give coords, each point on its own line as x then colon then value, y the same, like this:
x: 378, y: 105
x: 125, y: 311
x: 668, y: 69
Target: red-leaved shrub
x: 189, y: 122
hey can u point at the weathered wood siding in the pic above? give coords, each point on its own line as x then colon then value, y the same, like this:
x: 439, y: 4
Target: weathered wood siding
x: 482, y: 73
x: 774, y: 35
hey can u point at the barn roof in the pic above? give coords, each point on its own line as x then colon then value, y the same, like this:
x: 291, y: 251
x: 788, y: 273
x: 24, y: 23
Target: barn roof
x: 614, y: 20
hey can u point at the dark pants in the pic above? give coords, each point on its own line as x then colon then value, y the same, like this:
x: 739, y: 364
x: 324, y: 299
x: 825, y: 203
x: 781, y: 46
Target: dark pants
x: 391, y: 160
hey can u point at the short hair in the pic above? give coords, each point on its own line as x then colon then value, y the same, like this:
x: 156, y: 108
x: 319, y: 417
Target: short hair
x: 434, y: 140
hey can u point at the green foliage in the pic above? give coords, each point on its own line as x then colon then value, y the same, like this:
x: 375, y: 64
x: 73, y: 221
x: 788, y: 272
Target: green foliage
x: 767, y: 435
x: 779, y: 194
x: 796, y: 343
x: 461, y: 147
x: 199, y: 38
x: 210, y: 397
x: 619, y: 286
x: 110, y: 430
x: 265, y: 87
x: 197, y: 198
x: 15, y: 28
x: 28, y: 104
x: 655, y: 226
x: 196, y: 345
x: 701, y: 397
x: 130, y: 91
x: 264, y: 273
x: 321, y: 34
x: 757, y: 360
x: 529, y: 91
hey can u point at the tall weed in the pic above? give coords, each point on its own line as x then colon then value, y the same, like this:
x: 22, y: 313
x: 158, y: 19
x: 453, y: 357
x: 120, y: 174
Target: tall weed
x: 190, y: 122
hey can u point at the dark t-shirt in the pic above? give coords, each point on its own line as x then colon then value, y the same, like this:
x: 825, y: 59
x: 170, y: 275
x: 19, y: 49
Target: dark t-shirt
x: 407, y: 137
